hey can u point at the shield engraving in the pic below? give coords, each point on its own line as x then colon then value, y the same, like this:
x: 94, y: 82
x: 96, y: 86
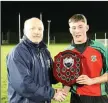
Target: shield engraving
x: 68, y: 62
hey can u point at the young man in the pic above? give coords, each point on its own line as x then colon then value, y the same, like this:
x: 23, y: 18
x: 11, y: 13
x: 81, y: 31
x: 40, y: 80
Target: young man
x: 90, y: 86
x: 29, y: 67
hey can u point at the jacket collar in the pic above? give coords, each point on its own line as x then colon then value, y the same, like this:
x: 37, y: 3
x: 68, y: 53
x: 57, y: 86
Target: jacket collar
x: 31, y: 44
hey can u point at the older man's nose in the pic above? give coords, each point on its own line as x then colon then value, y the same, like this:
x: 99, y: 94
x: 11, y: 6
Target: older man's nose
x: 36, y: 31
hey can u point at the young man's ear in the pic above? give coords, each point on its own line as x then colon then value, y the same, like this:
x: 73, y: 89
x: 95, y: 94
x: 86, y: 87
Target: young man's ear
x: 87, y: 28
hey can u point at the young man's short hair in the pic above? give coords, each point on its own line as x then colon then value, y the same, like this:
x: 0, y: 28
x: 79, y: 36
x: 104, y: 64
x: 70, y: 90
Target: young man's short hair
x: 78, y: 17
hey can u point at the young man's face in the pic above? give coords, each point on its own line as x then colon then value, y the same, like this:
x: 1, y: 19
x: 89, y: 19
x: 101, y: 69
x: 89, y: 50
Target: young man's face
x: 34, y: 30
x: 78, y: 30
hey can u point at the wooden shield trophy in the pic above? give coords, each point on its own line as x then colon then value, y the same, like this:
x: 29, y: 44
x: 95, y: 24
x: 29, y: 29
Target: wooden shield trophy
x: 67, y: 67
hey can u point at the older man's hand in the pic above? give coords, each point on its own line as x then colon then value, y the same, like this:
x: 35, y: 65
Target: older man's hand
x: 60, y: 95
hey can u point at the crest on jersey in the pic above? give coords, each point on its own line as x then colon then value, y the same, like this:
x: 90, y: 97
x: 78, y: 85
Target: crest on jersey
x: 93, y: 58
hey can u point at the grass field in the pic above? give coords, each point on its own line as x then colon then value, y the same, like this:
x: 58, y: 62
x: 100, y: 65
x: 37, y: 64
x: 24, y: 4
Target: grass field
x: 54, y: 49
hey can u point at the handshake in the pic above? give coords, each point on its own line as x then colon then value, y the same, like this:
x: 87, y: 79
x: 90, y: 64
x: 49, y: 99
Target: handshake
x: 60, y: 94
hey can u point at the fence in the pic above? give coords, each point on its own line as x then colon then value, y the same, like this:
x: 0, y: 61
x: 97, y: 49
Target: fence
x: 57, y: 37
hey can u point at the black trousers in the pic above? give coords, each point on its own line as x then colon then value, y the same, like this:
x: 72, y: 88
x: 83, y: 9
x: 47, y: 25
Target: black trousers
x: 88, y: 99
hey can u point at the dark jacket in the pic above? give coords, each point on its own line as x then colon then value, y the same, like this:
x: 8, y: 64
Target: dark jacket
x: 30, y: 77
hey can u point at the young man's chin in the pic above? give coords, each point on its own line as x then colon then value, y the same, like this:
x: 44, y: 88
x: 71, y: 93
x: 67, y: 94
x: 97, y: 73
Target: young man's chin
x: 78, y: 41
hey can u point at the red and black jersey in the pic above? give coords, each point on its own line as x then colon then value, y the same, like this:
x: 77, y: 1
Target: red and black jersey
x: 94, y: 62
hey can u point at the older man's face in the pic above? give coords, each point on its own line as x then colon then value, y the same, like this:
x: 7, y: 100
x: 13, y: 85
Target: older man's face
x: 33, y: 29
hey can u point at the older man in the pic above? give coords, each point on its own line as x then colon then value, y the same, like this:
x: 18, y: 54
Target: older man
x: 29, y: 67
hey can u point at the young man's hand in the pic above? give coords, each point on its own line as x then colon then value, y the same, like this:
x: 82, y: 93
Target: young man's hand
x: 84, y: 79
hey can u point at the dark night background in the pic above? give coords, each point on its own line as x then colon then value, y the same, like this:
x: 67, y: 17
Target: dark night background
x: 57, y: 11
